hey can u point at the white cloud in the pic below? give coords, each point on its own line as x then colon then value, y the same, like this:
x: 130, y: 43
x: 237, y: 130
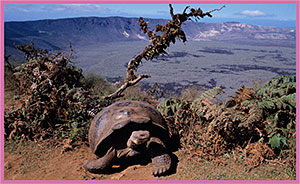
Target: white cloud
x: 86, y: 8
x: 253, y: 13
x: 59, y: 9
x: 75, y: 8
x: 18, y: 8
x: 24, y: 10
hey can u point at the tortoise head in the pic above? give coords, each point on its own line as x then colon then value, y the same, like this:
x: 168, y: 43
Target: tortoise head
x: 138, y: 138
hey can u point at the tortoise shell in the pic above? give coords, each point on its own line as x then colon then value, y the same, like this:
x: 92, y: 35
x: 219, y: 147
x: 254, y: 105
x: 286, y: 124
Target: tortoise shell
x: 117, y: 116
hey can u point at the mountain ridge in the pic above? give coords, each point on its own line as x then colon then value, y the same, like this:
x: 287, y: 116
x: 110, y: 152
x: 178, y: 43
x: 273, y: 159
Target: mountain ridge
x: 54, y: 33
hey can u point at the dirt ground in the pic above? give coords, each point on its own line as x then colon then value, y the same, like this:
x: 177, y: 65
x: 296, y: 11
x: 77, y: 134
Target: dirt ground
x: 39, y: 161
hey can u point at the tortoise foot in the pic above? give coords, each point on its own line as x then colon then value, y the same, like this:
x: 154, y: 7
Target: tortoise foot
x: 161, y: 164
x: 92, y: 166
x: 100, y: 164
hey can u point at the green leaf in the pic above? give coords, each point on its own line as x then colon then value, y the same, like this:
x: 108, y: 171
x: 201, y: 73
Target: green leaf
x: 276, y: 141
x: 74, y: 125
x: 283, y: 140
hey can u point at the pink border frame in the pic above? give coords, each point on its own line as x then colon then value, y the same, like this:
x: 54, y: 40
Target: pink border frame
x: 3, y: 2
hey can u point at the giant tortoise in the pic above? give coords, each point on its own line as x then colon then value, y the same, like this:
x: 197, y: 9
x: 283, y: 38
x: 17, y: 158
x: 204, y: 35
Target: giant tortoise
x: 125, y: 129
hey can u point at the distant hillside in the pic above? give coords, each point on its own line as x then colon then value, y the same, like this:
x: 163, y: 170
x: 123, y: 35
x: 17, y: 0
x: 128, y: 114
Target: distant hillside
x: 227, y: 55
x: 54, y: 34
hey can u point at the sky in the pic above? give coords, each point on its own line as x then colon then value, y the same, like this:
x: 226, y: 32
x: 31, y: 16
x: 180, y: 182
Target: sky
x: 279, y: 15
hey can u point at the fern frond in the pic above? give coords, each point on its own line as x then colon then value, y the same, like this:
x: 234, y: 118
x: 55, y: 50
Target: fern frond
x: 278, y: 86
x: 170, y: 106
x: 243, y: 94
x: 207, y: 97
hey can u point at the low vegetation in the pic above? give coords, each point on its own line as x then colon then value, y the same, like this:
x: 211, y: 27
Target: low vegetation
x: 55, y: 98
x: 258, y: 125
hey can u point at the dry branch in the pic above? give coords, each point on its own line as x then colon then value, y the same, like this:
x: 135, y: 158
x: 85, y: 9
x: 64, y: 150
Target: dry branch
x: 169, y: 32
x: 127, y: 84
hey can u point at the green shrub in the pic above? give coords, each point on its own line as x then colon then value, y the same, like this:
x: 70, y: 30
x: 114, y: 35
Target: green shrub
x: 267, y: 115
x: 56, y: 100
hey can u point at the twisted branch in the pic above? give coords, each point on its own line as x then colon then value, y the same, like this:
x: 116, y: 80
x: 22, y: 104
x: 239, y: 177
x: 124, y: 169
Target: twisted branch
x: 127, y: 84
x: 159, y: 43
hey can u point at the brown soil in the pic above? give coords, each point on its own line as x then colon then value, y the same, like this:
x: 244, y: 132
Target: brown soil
x: 39, y: 161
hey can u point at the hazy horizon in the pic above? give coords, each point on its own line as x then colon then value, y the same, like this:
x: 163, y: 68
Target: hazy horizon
x: 278, y: 15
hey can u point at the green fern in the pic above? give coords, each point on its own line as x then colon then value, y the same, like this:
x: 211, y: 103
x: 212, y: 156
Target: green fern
x: 170, y: 106
x: 205, y: 102
x: 207, y: 96
x: 267, y: 115
x: 278, y: 86
x: 277, y: 100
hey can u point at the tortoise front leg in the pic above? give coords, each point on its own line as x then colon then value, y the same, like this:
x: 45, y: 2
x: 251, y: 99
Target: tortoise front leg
x: 161, y: 160
x: 100, y: 164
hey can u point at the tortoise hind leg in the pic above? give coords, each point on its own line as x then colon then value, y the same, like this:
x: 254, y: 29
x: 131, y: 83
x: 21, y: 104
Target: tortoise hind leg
x: 161, y: 160
x: 100, y: 164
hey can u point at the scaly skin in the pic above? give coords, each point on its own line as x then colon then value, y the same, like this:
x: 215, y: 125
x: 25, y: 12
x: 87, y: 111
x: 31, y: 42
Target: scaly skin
x: 100, y: 164
x: 161, y: 161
